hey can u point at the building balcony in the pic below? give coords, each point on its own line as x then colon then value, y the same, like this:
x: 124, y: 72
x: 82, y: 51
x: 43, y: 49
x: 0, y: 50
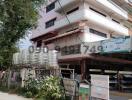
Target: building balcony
x: 63, y: 4
x: 107, y: 5
x: 113, y: 8
x: 129, y: 2
x: 92, y: 18
x: 106, y: 23
x: 70, y: 19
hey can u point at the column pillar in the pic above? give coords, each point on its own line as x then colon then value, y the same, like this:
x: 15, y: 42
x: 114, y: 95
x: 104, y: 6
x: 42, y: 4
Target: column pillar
x: 83, y: 69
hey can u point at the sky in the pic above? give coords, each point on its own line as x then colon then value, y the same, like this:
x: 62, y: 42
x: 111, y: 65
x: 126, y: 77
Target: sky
x: 25, y: 42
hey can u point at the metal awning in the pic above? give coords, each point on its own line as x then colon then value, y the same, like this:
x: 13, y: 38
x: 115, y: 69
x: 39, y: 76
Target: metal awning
x: 62, y: 35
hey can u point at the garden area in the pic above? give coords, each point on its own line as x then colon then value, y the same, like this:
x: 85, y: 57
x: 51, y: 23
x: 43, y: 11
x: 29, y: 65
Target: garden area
x: 49, y: 88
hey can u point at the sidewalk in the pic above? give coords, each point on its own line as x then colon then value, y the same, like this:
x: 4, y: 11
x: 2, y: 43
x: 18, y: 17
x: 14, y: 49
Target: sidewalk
x: 6, y: 96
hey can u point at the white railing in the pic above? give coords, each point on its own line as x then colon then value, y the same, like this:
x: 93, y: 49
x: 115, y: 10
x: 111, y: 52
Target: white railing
x: 71, y: 18
x: 113, y: 7
x: 117, y: 6
x: 105, y: 22
x: 62, y: 3
x: 86, y: 14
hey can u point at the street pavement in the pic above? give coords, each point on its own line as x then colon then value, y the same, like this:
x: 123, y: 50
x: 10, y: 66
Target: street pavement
x: 6, y: 96
x: 120, y: 98
x: 113, y: 96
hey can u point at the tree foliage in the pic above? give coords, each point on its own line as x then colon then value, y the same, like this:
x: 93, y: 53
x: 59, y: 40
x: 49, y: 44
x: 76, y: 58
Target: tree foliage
x: 16, y: 17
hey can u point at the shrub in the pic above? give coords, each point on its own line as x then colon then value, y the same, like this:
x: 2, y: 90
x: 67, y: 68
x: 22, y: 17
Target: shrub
x: 4, y: 89
x: 28, y: 94
x: 31, y: 87
x: 51, y: 89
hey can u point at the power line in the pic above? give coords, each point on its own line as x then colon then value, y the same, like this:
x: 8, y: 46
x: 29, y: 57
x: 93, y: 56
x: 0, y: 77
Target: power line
x: 69, y: 22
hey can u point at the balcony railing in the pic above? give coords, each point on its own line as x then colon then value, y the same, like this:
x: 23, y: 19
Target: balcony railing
x: 114, y: 8
x: 105, y: 22
x: 87, y: 14
x: 93, y: 18
x: 70, y: 19
x: 63, y: 3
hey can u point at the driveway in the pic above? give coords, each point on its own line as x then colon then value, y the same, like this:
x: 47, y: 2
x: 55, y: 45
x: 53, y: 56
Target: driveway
x: 6, y: 96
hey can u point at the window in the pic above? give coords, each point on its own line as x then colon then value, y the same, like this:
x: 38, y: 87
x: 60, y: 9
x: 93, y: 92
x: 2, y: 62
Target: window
x: 50, y: 23
x: 73, y: 10
x: 68, y: 50
x: 77, y: 49
x: 63, y: 51
x: 71, y: 49
x: 98, y: 33
x: 98, y: 12
x: 116, y: 21
x: 39, y: 43
x: 50, y: 7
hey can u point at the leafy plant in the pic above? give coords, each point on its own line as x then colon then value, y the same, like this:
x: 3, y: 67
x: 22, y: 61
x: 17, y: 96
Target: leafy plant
x: 28, y: 94
x: 51, y: 89
x: 31, y: 87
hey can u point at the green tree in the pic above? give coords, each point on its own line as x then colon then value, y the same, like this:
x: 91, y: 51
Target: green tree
x: 16, y: 17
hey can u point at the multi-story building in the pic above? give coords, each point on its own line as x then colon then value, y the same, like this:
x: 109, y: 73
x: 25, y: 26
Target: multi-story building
x: 70, y: 24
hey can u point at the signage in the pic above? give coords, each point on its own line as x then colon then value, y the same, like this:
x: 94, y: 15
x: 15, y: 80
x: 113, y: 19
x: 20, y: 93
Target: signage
x: 84, y: 91
x: 122, y: 44
x: 91, y: 47
x: 100, y: 86
x: 70, y: 86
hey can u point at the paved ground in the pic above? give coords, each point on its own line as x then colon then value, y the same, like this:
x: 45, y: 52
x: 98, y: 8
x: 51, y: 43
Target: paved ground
x: 114, y: 96
x: 6, y: 96
x: 120, y: 96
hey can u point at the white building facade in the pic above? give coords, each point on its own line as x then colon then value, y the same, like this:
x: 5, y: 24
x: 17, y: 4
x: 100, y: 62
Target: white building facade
x: 70, y: 23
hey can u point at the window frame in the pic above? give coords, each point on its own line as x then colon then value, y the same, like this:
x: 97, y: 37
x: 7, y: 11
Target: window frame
x: 97, y: 11
x: 50, y: 7
x: 50, y: 23
x: 72, y: 10
x: 115, y: 21
x: 98, y: 33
